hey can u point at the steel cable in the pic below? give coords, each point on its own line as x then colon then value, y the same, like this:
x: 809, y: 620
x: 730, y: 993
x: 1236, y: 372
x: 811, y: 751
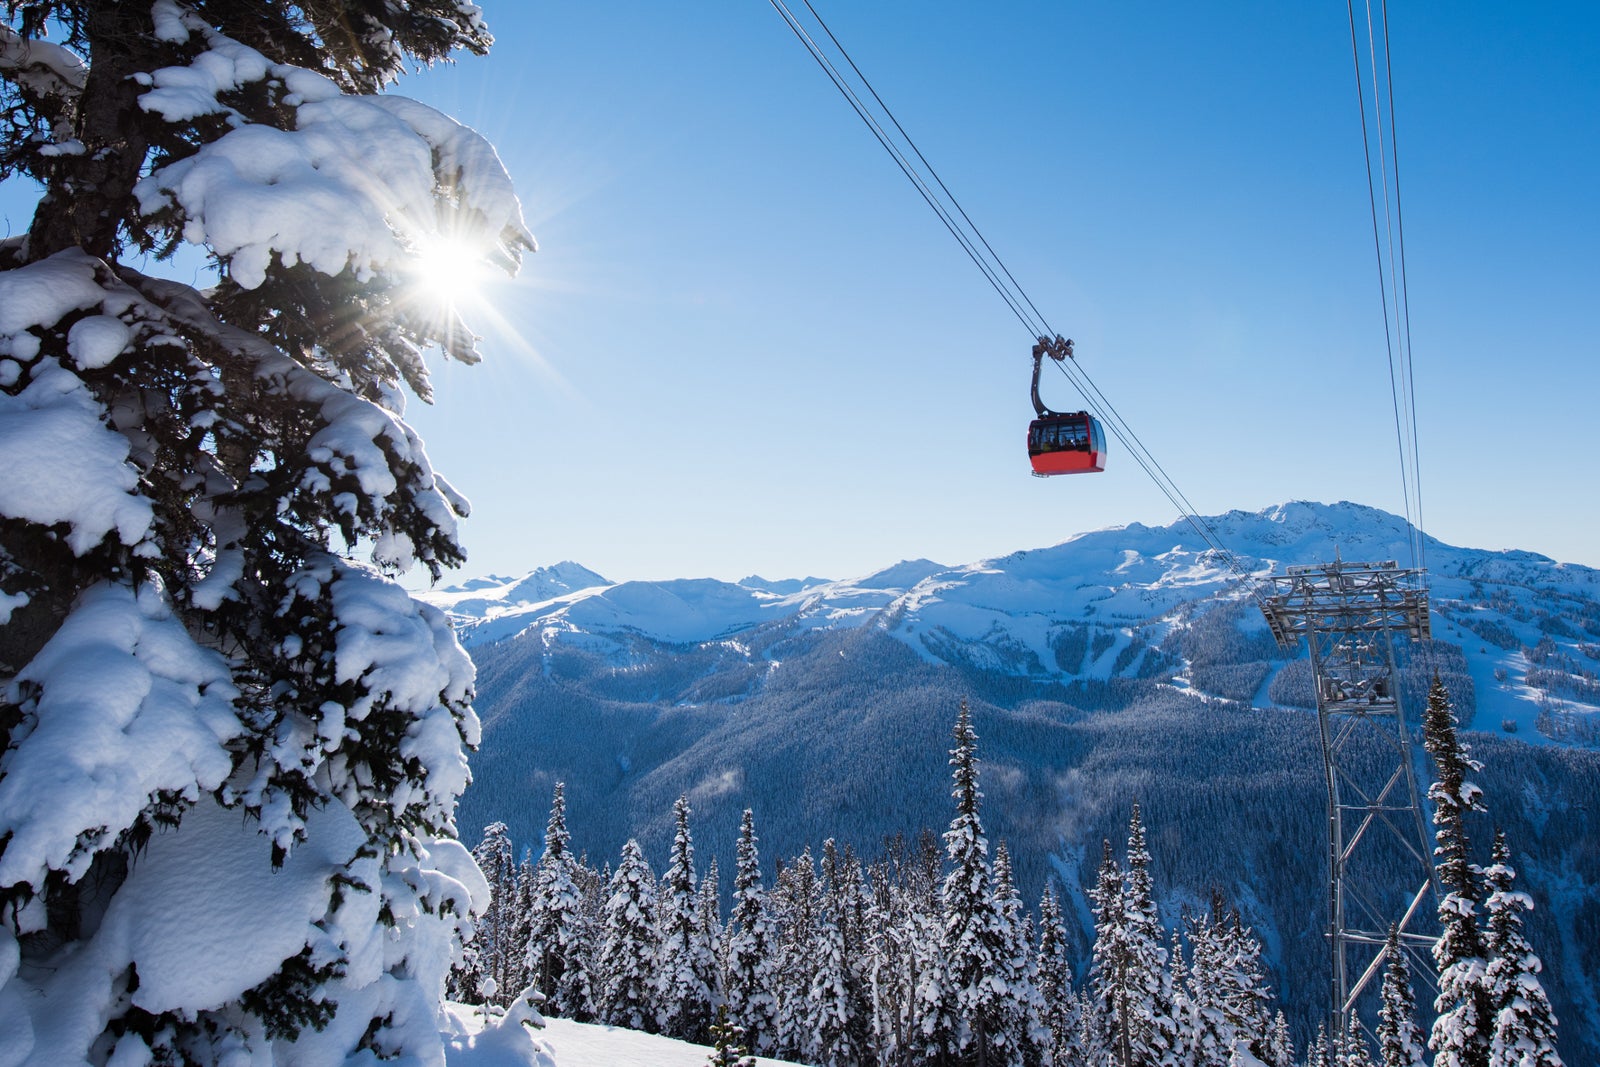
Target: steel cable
x: 994, y: 270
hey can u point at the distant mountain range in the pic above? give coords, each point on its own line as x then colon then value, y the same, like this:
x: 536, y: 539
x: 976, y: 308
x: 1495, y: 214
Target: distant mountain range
x: 1137, y: 580
x: 1122, y: 664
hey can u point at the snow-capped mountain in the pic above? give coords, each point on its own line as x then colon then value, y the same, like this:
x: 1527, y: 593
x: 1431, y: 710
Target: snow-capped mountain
x: 1012, y: 614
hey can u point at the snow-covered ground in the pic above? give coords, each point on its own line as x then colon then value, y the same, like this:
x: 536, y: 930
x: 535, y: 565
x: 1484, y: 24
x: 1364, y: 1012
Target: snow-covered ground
x: 563, y: 1043
x: 587, y: 1045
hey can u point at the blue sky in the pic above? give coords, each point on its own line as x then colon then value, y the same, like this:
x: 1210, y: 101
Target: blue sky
x: 746, y: 345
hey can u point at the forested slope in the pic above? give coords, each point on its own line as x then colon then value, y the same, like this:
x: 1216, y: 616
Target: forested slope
x: 1122, y: 666
x: 848, y: 739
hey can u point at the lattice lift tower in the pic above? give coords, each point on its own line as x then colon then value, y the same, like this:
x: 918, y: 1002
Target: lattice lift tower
x: 1349, y: 614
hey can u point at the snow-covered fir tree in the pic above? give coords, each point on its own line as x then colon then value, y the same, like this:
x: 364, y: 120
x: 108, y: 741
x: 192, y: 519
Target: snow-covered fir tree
x: 1524, y: 1025
x: 1108, y: 969
x: 1399, y: 1038
x: 498, y: 927
x: 1226, y: 986
x: 844, y: 902
x: 592, y: 891
x: 629, y: 945
x: 1025, y: 1037
x: 1132, y: 980
x: 751, y: 946
x: 933, y: 1025
x: 1465, y: 1020
x: 1351, y: 1049
x: 890, y: 964
x: 685, y: 965
x: 519, y: 975
x: 905, y: 920
x: 1198, y: 1023
x: 708, y: 916
x: 1318, y: 1053
x: 187, y: 644
x: 559, y: 937
x: 798, y: 900
x: 729, y: 1046
x: 1055, y: 979
x: 834, y: 1040
x: 1280, y: 1044
x: 974, y: 934
x: 465, y: 983
x: 1092, y: 1045
x: 486, y: 974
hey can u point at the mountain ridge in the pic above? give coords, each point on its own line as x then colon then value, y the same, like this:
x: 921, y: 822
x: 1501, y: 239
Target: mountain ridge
x: 1013, y: 612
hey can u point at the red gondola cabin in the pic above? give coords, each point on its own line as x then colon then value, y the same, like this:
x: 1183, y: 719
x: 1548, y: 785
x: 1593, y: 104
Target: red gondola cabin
x: 1070, y: 443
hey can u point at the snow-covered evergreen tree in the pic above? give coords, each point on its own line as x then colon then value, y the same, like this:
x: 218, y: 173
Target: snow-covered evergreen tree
x: 1280, y: 1045
x: 559, y: 936
x: 1024, y: 1038
x: 685, y: 966
x: 1055, y: 979
x: 933, y: 1026
x: 1091, y: 1047
x: 1197, y: 1021
x: 592, y: 892
x: 1226, y: 993
x: 1399, y: 1037
x: 708, y: 916
x: 483, y: 975
x: 1524, y: 1025
x: 844, y: 903
x: 729, y: 1047
x: 1351, y: 1048
x: 891, y: 964
x: 833, y: 1039
x: 497, y: 928
x: 1465, y: 1023
x: 751, y: 945
x: 974, y: 934
x: 186, y: 645
x: 519, y: 975
x: 1318, y: 1054
x: 798, y: 901
x: 1109, y: 966
x: 629, y: 945
x: 465, y: 983
x: 1131, y: 974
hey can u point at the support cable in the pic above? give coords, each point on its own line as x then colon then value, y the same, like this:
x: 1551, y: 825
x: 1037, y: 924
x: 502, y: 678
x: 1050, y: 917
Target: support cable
x: 1405, y: 296
x: 1000, y: 278
x: 904, y: 164
x: 1047, y: 332
x: 1391, y: 278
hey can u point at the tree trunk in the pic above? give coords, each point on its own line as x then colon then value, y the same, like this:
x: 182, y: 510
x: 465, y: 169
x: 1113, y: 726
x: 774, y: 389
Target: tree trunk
x: 90, y: 195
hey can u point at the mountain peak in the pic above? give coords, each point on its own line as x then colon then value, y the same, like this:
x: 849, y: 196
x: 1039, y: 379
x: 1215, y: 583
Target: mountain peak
x: 903, y: 575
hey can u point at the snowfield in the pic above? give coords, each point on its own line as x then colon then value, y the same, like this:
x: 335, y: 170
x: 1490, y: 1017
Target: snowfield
x: 563, y: 1043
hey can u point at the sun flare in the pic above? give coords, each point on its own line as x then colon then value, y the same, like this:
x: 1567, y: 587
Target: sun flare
x: 449, y: 272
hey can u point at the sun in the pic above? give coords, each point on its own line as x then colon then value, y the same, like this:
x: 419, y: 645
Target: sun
x: 448, y: 272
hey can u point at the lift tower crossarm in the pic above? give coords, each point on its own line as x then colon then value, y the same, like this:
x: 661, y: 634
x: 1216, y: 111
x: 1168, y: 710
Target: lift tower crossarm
x: 1350, y: 597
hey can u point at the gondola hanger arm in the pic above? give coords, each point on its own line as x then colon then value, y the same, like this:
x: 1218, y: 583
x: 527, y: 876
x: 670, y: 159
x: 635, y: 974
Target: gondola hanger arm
x: 1057, y: 348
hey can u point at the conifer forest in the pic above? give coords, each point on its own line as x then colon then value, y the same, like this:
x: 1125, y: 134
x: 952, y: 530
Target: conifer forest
x: 925, y: 953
